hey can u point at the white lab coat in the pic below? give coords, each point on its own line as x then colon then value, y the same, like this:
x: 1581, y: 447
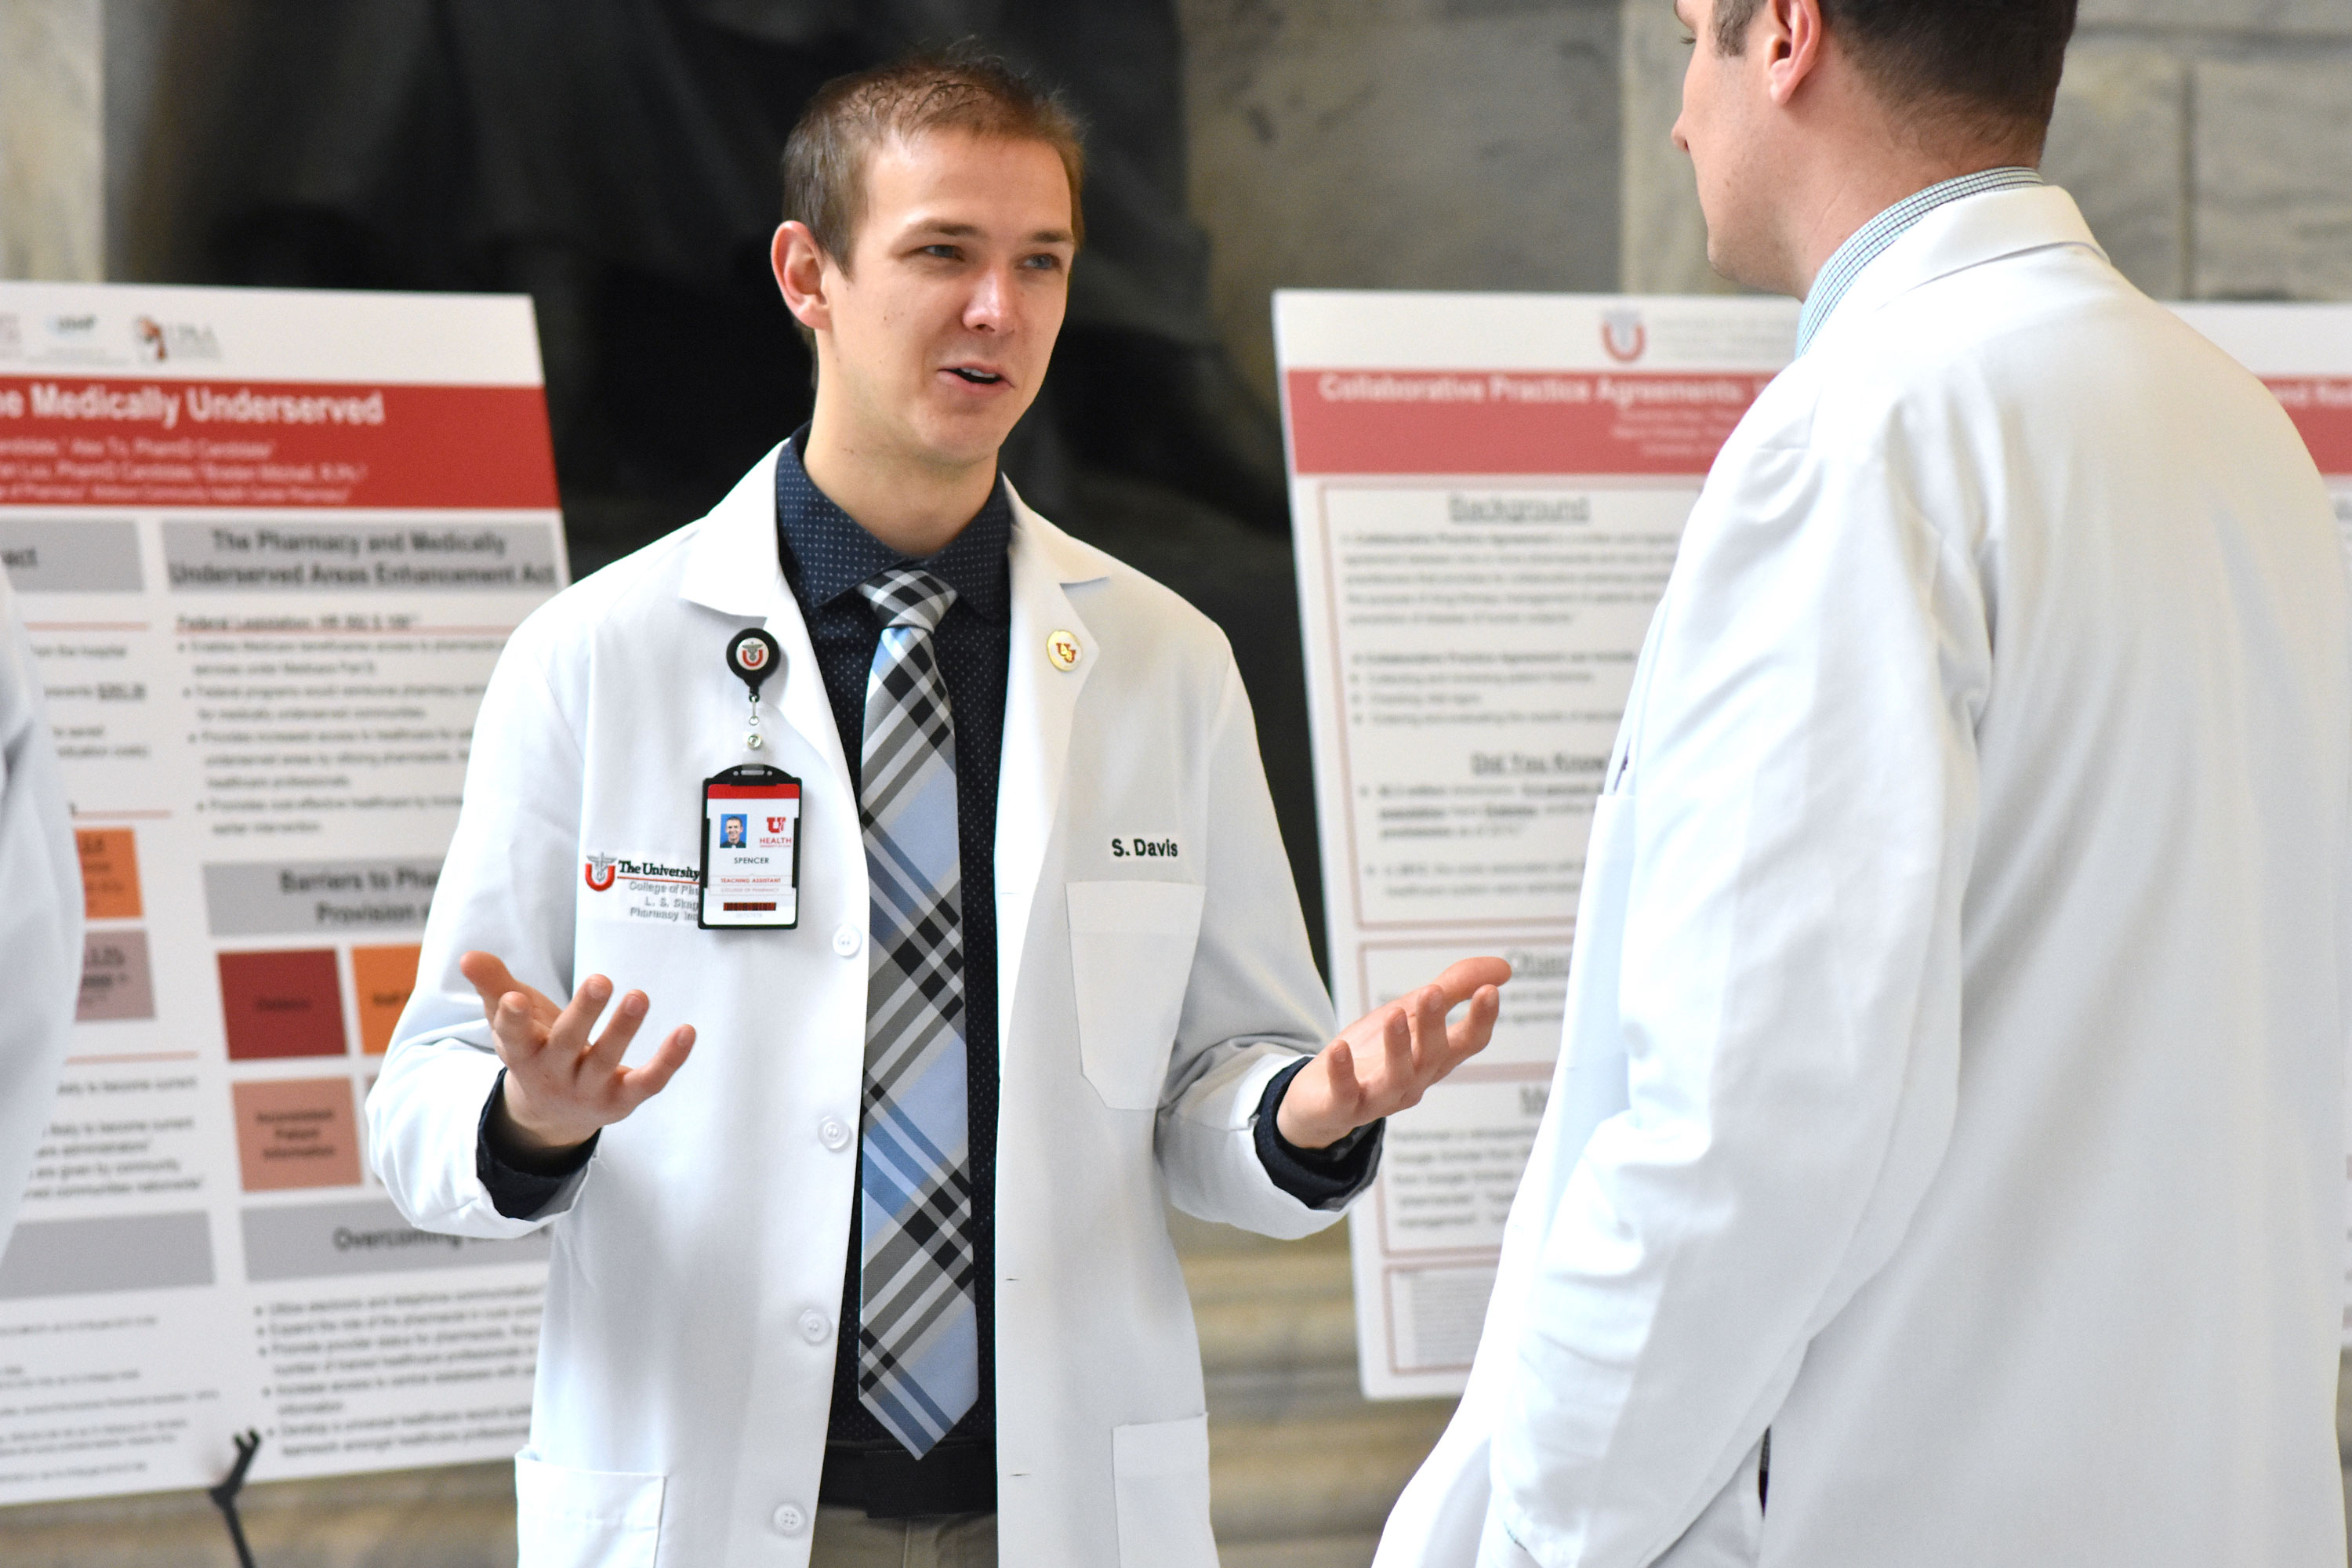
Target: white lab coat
x: 686, y: 1368
x: 1952, y: 1080
x: 40, y: 913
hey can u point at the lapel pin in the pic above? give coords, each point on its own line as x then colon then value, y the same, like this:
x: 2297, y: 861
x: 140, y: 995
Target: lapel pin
x: 1063, y: 650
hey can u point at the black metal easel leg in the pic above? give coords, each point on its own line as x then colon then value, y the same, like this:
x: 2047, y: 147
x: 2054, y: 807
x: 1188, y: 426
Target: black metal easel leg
x: 224, y: 1495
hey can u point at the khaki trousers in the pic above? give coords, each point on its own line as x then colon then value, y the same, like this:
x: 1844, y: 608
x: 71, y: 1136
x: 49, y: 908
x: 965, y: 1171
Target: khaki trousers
x: 846, y: 1538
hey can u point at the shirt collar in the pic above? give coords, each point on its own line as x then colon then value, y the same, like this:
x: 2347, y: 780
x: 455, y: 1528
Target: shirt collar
x: 826, y: 552
x: 1863, y: 245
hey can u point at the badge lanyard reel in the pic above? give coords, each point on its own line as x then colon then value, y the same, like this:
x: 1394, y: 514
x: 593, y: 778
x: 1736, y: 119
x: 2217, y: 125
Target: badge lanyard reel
x: 751, y: 819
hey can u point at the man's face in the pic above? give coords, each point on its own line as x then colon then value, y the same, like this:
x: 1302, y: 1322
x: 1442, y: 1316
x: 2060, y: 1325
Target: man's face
x: 938, y: 336
x: 1723, y: 126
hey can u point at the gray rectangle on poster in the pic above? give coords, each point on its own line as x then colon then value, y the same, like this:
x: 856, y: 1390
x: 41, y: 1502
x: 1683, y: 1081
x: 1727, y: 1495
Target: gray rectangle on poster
x: 312, y: 1241
x: 263, y: 555
x: 71, y: 554
x: 313, y: 898
x: 90, y: 1257
x: 116, y: 980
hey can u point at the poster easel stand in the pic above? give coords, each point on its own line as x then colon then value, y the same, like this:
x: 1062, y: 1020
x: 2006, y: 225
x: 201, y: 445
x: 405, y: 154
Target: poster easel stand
x: 224, y: 1495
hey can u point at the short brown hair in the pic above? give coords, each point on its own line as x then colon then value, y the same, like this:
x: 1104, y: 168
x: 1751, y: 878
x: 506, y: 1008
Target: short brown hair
x: 1986, y: 67
x: 957, y: 90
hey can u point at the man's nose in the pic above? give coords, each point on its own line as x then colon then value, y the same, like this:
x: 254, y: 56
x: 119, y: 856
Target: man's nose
x: 990, y: 309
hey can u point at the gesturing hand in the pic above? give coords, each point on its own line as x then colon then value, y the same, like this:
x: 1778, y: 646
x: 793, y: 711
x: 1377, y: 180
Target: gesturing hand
x: 560, y: 1085
x: 1385, y: 1060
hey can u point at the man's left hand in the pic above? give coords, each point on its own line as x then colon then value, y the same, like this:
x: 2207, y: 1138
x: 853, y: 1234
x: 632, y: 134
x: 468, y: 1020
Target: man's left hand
x: 1384, y: 1061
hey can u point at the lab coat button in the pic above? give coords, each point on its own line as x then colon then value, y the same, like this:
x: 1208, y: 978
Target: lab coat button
x: 833, y: 1133
x: 789, y: 1519
x: 815, y: 1327
x: 846, y: 941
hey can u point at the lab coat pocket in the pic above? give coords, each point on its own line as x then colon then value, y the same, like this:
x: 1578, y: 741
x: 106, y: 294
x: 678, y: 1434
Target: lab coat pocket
x: 1160, y: 1469
x: 585, y: 1519
x: 1130, y: 954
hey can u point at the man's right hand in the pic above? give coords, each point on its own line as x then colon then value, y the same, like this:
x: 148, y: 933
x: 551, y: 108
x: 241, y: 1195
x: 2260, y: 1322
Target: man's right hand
x: 560, y: 1085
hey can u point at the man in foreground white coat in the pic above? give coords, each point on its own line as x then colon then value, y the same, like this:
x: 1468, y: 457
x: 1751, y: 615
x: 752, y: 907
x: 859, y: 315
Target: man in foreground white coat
x: 1952, y: 1086
x: 982, y: 942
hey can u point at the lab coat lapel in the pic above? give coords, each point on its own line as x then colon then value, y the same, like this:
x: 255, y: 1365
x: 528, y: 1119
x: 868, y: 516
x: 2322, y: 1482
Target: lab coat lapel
x: 1040, y: 705
x: 732, y: 567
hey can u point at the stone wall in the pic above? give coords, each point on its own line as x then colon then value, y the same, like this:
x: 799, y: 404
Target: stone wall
x: 1399, y: 144
x: 51, y: 223
x: 2209, y: 142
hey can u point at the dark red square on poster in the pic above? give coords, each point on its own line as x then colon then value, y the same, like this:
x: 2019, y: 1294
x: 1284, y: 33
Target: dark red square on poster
x: 281, y: 1004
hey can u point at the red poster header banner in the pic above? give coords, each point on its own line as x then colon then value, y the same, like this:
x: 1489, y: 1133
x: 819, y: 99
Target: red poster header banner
x: 1519, y: 422
x: 67, y: 441
x: 1513, y: 422
x: 2321, y: 408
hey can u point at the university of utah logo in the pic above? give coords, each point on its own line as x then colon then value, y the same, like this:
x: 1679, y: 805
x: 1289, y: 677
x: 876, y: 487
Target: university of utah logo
x: 599, y: 873
x: 1623, y: 335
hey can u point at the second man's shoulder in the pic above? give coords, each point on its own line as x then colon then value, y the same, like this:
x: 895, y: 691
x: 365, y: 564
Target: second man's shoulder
x: 617, y: 600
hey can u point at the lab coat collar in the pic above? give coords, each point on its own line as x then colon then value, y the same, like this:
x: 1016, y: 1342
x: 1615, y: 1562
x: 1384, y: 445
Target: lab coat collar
x: 1957, y: 236
x: 1041, y: 704
x: 732, y: 567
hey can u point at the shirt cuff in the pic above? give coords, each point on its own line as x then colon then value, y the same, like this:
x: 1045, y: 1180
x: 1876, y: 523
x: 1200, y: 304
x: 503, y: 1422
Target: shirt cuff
x: 1319, y: 1178
x: 521, y: 1185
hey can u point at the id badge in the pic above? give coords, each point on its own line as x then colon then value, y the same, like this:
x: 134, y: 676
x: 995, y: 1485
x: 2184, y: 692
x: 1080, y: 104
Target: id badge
x: 751, y: 849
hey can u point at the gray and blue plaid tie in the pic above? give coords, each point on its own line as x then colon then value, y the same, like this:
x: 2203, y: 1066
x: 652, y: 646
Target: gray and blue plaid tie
x: 918, y: 1340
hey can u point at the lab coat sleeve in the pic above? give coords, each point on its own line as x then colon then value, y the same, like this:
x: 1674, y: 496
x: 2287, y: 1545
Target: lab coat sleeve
x: 1803, y: 791
x: 1253, y: 1005
x: 40, y: 917
x: 506, y: 888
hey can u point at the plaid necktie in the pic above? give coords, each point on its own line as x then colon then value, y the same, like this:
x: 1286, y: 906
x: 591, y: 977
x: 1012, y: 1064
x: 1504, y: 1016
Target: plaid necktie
x: 919, y: 1337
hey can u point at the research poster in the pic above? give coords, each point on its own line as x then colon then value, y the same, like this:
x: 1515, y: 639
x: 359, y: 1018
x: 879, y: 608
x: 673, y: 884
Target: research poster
x: 1487, y: 494
x: 267, y: 545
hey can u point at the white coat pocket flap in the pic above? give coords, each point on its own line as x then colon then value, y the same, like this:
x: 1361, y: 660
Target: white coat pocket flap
x: 1161, y: 1471
x: 585, y: 1519
x: 1130, y: 954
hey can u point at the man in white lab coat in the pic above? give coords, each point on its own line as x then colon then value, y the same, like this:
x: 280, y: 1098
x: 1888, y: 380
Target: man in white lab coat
x: 939, y: 840
x: 1952, y: 1086
x: 41, y: 912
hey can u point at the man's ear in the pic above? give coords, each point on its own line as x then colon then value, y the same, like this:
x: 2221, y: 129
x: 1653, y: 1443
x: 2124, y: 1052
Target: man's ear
x: 799, y: 263
x: 1791, y: 47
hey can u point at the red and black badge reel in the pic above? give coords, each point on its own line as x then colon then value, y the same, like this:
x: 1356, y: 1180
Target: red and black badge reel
x: 753, y: 655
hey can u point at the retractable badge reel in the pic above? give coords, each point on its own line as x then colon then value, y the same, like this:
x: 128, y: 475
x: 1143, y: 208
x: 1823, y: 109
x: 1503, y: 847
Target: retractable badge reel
x: 751, y: 818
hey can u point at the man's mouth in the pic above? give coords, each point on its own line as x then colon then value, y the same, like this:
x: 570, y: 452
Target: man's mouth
x: 976, y: 376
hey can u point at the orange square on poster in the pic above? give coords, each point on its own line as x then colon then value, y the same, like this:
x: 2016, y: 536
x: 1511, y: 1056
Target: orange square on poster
x: 296, y: 1133
x: 109, y: 873
x: 383, y: 976
x: 281, y: 1004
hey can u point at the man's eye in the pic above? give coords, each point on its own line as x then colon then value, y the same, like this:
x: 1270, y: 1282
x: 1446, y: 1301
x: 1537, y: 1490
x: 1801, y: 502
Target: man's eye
x: 944, y: 252
x: 1043, y: 263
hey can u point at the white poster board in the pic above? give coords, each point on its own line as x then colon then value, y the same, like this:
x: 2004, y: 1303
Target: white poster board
x: 1487, y: 492
x: 269, y: 545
